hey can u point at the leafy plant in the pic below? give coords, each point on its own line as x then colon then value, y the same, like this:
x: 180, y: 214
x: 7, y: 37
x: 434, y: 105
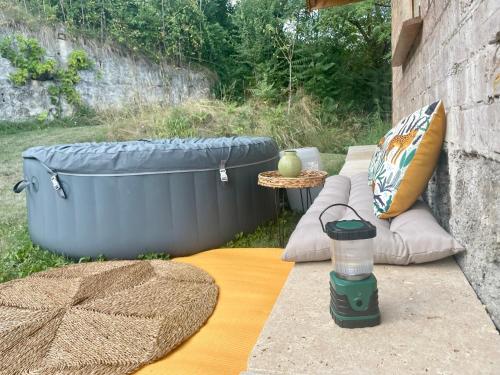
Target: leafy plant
x: 78, y: 60
x: 28, y: 57
x: 20, y: 77
x: 266, y: 235
x: 151, y: 256
x: 24, y: 258
x: 87, y: 259
x: 43, y: 116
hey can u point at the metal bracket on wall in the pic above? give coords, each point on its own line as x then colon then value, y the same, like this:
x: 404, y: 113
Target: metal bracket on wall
x: 406, y: 38
x: 408, y: 33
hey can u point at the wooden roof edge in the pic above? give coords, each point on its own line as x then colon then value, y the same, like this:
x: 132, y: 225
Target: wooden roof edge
x: 321, y: 4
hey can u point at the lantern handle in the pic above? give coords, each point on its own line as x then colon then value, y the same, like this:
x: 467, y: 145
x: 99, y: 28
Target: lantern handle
x: 338, y: 204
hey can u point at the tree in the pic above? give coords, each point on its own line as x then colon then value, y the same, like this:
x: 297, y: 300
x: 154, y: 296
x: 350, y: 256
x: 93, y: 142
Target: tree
x: 266, y: 48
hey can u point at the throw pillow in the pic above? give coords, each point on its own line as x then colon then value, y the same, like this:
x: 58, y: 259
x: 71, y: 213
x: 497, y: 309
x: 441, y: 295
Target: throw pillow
x: 405, y: 160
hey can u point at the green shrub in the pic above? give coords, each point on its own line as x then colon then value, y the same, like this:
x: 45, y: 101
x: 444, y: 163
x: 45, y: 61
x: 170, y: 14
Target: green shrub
x: 28, y: 57
x: 78, y: 60
x: 44, y: 70
x: 43, y: 116
x: 20, y: 77
x: 152, y: 256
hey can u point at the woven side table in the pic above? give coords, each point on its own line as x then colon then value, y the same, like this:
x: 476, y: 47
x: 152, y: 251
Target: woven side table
x: 305, y: 181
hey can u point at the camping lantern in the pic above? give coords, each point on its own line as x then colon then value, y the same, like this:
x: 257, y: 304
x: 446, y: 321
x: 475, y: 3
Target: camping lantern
x: 353, y: 287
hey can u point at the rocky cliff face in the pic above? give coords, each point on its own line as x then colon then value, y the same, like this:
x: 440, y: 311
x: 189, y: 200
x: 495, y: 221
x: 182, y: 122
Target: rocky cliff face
x: 457, y: 59
x: 118, y: 80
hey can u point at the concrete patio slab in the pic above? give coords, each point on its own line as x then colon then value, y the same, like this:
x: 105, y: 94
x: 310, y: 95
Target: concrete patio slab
x: 432, y: 322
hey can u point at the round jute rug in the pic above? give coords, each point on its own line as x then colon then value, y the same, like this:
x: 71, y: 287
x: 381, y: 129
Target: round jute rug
x: 101, y: 318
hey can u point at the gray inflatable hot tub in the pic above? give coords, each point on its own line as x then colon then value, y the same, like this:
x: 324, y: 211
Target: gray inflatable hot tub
x: 122, y: 199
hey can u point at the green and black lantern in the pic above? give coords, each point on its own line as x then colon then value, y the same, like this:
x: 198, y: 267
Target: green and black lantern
x: 353, y: 287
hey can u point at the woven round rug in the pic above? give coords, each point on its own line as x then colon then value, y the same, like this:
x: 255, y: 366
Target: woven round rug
x: 101, y: 318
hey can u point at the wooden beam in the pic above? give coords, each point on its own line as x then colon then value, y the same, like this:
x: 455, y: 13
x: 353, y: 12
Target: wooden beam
x: 407, y: 35
x: 320, y: 4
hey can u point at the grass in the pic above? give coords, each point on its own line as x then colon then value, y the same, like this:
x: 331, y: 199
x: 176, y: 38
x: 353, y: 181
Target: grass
x: 303, y: 126
x: 84, y: 117
x: 266, y: 235
x: 18, y: 256
x: 332, y: 163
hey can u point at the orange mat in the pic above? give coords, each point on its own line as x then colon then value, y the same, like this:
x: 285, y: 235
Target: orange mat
x: 249, y: 282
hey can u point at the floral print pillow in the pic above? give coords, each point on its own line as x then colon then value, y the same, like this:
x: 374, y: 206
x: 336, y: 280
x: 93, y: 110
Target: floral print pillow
x: 405, y: 160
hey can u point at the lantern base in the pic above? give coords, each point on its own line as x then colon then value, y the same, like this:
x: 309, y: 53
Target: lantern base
x: 354, y: 303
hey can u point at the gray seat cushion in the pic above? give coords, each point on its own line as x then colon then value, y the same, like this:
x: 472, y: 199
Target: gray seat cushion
x: 412, y: 237
x: 308, y: 243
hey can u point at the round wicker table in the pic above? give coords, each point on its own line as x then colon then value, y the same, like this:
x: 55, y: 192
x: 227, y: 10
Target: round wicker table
x: 306, y: 180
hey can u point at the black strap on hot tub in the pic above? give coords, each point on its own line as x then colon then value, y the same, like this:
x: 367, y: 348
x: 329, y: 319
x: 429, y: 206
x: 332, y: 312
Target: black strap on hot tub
x: 57, y: 185
x: 223, y: 172
x: 54, y: 179
x: 222, y: 167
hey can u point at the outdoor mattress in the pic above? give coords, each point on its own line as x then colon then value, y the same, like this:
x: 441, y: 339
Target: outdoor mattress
x: 121, y: 199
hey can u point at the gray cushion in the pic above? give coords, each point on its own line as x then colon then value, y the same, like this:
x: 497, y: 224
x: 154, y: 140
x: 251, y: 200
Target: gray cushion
x: 413, y: 237
x: 308, y: 242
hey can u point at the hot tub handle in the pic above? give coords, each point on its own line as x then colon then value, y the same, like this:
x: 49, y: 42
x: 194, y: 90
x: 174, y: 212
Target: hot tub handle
x: 20, y: 186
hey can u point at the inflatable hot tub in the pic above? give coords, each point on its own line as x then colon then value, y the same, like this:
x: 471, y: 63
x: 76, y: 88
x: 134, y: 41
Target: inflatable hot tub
x: 121, y: 199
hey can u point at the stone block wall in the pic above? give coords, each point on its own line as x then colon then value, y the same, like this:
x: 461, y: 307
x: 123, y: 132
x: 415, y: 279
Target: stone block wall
x: 456, y: 58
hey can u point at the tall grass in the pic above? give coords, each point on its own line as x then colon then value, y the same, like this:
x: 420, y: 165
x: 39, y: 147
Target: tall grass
x: 84, y: 116
x: 307, y: 123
